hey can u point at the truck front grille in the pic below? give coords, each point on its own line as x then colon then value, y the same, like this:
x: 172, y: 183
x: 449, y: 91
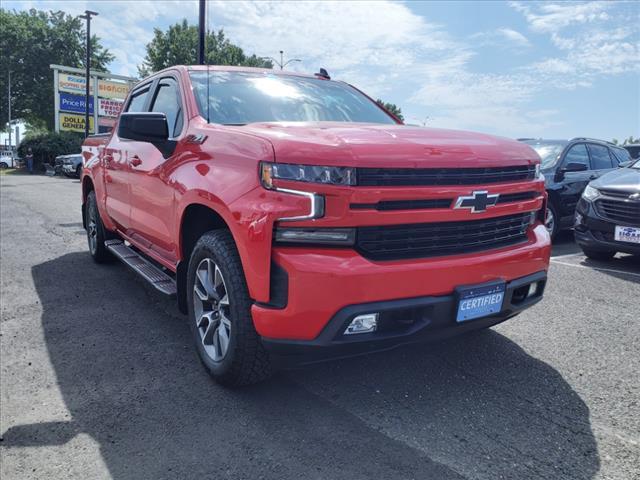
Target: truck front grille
x: 623, y: 212
x: 442, y: 176
x: 422, y: 240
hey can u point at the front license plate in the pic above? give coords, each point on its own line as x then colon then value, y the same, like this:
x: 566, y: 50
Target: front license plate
x: 477, y: 302
x: 627, y: 234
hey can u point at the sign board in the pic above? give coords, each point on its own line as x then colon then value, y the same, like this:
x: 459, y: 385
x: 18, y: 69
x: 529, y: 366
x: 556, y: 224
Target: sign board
x: 68, y: 82
x: 70, y: 122
x: 108, y: 107
x: 74, y: 103
x: 108, y: 89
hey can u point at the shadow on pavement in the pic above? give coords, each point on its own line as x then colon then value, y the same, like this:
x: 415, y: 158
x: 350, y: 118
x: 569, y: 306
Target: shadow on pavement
x: 125, y: 366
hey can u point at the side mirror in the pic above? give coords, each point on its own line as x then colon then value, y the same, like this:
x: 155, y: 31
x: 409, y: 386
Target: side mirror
x: 574, y: 167
x: 148, y: 127
x: 144, y: 127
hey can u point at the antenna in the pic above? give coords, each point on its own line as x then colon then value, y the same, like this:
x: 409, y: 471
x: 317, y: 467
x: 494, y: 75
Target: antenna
x: 323, y: 74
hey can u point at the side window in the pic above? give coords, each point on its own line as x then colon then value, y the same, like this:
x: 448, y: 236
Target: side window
x: 600, y: 158
x: 138, y: 99
x: 621, y: 155
x: 577, y: 154
x: 167, y: 102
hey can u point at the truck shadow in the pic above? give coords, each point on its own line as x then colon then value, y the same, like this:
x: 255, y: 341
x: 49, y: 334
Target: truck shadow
x: 478, y: 406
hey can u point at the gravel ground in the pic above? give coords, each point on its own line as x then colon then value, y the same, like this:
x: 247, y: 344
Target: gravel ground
x: 99, y: 379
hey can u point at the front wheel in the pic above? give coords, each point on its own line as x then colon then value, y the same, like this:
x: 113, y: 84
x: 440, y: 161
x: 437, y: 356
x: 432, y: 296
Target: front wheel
x: 551, y: 222
x: 220, y: 313
x: 3, y: 165
x: 79, y: 171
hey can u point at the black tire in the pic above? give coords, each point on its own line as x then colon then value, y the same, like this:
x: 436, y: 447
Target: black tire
x: 245, y: 361
x: 598, y: 254
x: 552, y: 215
x: 98, y: 251
x: 3, y: 165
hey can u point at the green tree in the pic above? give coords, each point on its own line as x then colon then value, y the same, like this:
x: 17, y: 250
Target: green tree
x: 627, y: 141
x: 179, y: 46
x: 29, y: 43
x: 392, y: 108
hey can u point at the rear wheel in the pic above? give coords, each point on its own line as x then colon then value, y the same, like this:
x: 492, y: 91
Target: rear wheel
x: 220, y: 313
x: 96, y: 233
x: 599, y: 254
x: 3, y: 165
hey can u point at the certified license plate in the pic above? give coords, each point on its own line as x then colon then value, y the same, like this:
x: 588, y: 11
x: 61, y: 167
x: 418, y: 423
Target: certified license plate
x: 627, y: 234
x: 480, y: 301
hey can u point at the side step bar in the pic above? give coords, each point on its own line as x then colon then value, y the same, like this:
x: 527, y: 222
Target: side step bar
x: 143, y: 267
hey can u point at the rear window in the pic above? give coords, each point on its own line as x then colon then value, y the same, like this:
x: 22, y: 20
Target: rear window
x: 600, y: 159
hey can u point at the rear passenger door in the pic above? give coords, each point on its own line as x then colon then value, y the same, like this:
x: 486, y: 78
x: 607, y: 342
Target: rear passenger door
x: 117, y: 164
x: 601, y: 160
x: 574, y: 183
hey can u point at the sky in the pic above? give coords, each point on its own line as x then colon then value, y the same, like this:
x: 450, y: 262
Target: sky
x: 512, y: 68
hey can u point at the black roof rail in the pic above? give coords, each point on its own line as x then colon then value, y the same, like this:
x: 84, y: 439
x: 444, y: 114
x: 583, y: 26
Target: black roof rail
x: 592, y: 140
x: 525, y: 139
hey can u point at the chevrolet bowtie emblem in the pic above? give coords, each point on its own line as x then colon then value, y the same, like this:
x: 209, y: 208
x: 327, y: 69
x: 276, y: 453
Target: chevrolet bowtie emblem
x: 478, y: 201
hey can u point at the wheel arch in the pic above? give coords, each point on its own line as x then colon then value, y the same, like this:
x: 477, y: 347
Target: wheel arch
x: 196, y: 220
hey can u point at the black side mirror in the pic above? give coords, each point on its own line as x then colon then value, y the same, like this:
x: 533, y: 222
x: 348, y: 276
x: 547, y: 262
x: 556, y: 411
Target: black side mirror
x: 148, y: 127
x: 574, y: 167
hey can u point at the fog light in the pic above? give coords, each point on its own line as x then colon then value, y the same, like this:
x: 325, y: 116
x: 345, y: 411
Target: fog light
x: 533, y: 288
x: 363, y: 324
x: 578, y: 219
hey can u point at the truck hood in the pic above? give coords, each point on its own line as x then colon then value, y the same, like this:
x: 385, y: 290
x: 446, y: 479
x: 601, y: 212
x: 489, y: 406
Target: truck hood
x: 400, y: 146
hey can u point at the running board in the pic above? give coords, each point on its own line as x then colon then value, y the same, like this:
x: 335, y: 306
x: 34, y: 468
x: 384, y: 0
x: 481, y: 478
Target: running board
x: 143, y: 267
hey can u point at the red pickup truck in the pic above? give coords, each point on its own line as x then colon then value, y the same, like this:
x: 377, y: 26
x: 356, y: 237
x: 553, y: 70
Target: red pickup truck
x: 296, y: 220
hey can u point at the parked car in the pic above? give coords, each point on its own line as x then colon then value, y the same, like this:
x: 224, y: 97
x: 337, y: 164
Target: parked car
x: 69, y: 165
x: 297, y: 220
x: 568, y: 166
x: 7, y: 160
x: 608, y: 214
x: 633, y: 149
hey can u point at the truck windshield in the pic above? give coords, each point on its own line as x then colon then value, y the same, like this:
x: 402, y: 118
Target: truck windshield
x: 238, y: 98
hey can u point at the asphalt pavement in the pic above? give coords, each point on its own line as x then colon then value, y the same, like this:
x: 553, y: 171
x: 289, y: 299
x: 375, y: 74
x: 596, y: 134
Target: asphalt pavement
x: 99, y: 379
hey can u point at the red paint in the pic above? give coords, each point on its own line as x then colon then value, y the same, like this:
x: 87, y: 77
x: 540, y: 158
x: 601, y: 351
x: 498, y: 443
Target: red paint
x: 145, y: 203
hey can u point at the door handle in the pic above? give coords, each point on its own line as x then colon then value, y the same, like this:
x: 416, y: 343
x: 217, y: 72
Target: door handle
x: 135, y: 161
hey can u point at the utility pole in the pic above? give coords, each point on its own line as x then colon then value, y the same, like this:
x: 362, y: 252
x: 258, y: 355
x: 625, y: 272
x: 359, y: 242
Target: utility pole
x: 87, y: 17
x: 9, y: 98
x: 201, y: 32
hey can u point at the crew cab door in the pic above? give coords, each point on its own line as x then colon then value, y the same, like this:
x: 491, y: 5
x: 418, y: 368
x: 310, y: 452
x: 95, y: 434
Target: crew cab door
x: 152, y: 189
x: 116, y: 157
x: 573, y: 183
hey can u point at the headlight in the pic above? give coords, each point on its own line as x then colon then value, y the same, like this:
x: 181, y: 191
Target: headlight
x: 590, y: 193
x: 538, y: 174
x: 306, y: 173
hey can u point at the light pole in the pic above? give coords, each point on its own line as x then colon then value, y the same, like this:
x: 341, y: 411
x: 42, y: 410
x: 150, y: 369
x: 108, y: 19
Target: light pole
x: 9, y: 98
x: 282, y: 63
x: 87, y: 17
x: 201, y: 32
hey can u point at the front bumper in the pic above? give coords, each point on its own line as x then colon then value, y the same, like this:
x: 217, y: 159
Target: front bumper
x: 320, y: 282
x: 402, y: 322
x: 595, y: 233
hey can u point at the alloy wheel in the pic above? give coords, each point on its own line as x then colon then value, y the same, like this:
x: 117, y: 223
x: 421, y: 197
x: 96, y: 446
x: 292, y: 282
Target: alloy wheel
x: 212, y: 310
x: 92, y: 231
x: 550, y: 223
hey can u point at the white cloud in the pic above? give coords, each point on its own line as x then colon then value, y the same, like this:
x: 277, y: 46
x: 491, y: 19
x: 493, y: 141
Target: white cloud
x: 502, y: 37
x: 551, y: 17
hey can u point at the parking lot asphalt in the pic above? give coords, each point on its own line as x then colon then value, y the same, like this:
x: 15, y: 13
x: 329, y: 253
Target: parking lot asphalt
x: 99, y: 379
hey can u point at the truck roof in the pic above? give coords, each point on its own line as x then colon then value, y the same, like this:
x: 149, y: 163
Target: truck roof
x: 229, y: 68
